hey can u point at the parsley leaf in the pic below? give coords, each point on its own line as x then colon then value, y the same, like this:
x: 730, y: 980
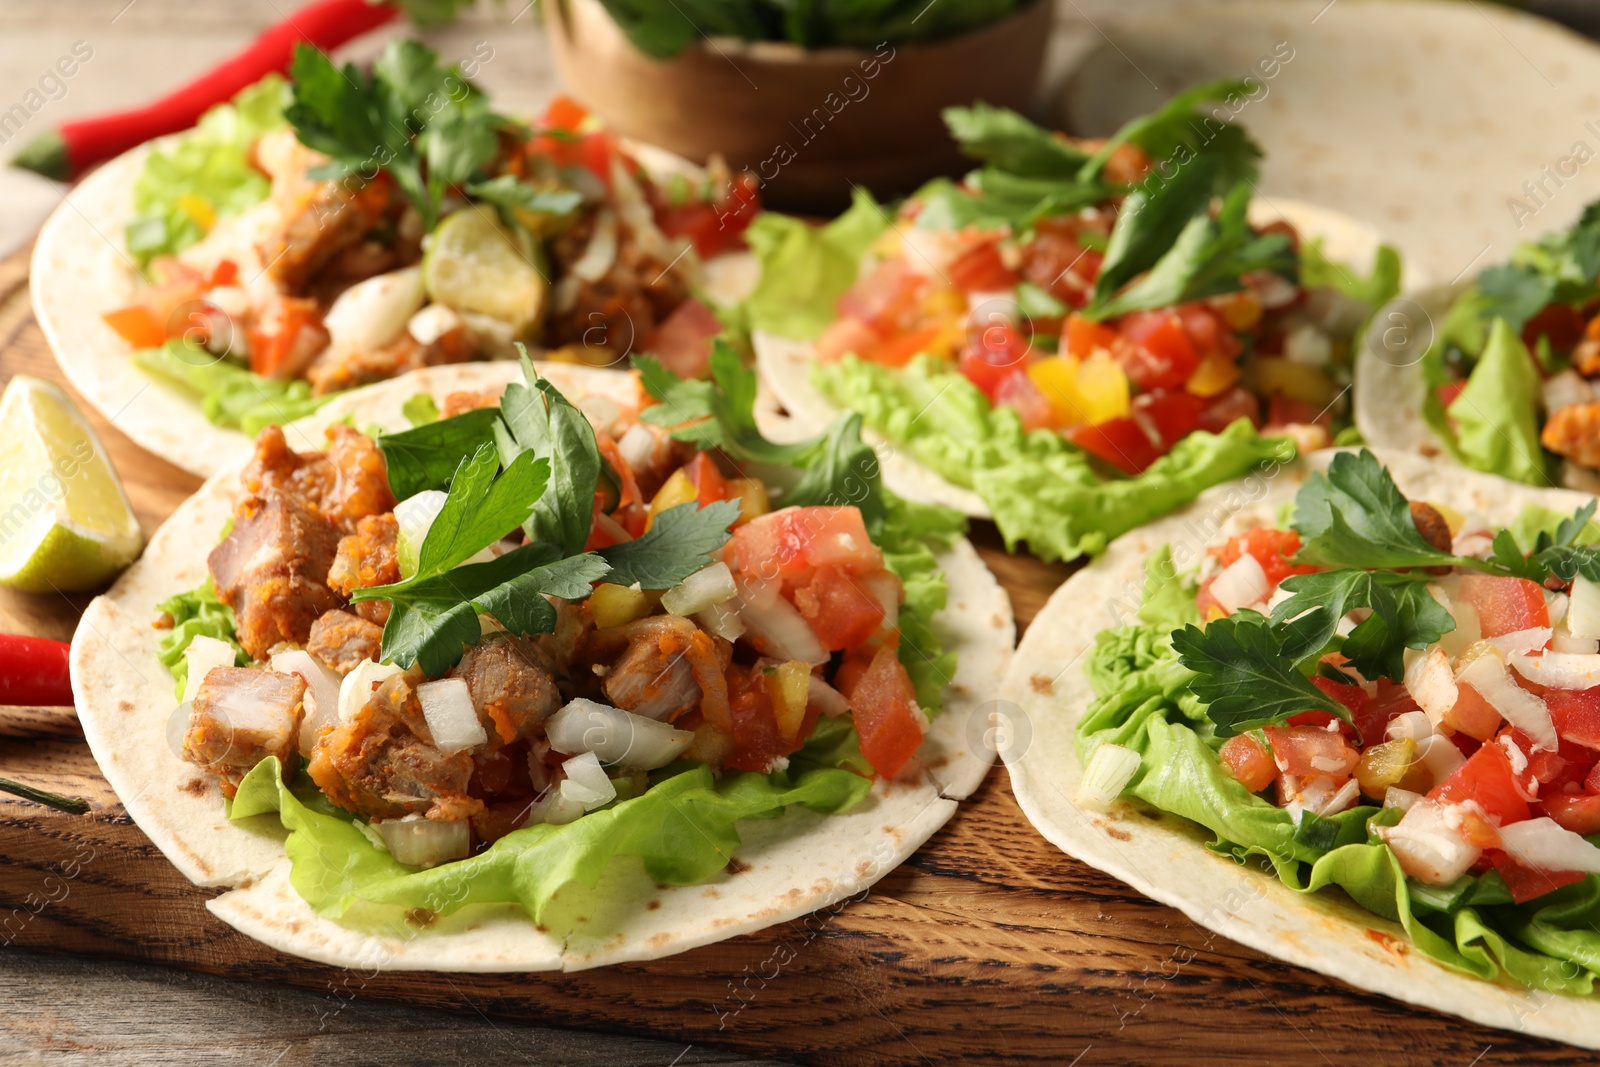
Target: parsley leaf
x: 1404, y: 615
x: 426, y: 456
x: 683, y: 405
x: 516, y: 198
x: 1353, y: 516
x: 1012, y: 143
x: 1177, y: 131
x: 1244, y: 676
x: 535, y: 417
x: 678, y: 544
x: 1149, y: 222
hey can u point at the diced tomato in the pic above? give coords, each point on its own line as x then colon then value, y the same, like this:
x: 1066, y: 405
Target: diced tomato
x: 1083, y: 336
x: 1121, y: 442
x: 757, y: 741
x: 628, y: 492
x: 1247, y: 762
x: 604, y: 531
x: 882, y: 296
x: 1561, y: 323
x: 840, y: 608
x: 883, y: 704
x: 1352, y: 697
x: 1448, y: 392
x: 980, y: 269
x: 281, y: 342
x: 682, y: 342
x: 847, y: 336
x: 1271, y: 547
x: 226, y: 272
x: 1528, y: 883
x: 1550, y: 772
x: 1504, y: 605
x: 137, y: 326
x: 1287, y: 411
x: 1372, y: 718
x: 1578, y: 812
x: 1473, y: 716
x: 1576, y: 713
x: 714, y: 227
x: 1310, y: 751
x: 993, y: 353
x: 710, y: 486
x: 1020, y: 394
x: 1162, y: 355
x: 1207, y: 331
x: 564, y: 113
x: 1487, y: 780
x: 1228, y: 408
x: 794, y: 542
x: 1591, y: 781
x: 1170, y: 416
x: 1054, y: 260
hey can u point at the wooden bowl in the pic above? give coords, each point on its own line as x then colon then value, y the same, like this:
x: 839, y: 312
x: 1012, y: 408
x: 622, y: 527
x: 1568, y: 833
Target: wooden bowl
x: 807, y: 124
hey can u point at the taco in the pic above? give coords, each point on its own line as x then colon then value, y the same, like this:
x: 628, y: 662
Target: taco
x: 1345, y: 713
x: 1080, y: 336
x: 684, y: 698
x: 1497, y: 372
x: 239, y: 274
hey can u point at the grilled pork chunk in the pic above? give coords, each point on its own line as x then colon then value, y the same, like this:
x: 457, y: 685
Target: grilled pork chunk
x: 241, y: 716
x: 342, y: 641
x: 271, y: 567
x: 510, y: 687
x: 367, y: 558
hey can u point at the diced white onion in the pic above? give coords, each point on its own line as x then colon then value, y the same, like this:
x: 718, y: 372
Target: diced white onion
x: 433, y: 322
x: 452, y: 719
x: 419, y: 842
x: 1241, y: 584
x: 638, y: 446
x: 322, y: 693
x: 705, y: 587
x: 232, y: 300
x: 1583, y: 613
x: 203, y: 655
x: 1395, y: 797
x: 1560, y: 670
x: 1435, y: 753
x: 1488, y: 675
x: 1564, y: 390
x: 372, y: 313
x: 1110, y: 769
x: 1272, y: 289
x: 1531, y: 640
x: 1413, y: 724
x: 601, y: 251
x: 1428, y: 844
x: 615, y: 736
x: 1577, y: 646
x: 775, y: 626
x: 1432, y: 684
x: 1555, y: 605
x: 1468, y: 631
x: 636, y: 212
x: 722, y: 620
x: 1549, y: 846
x: 553, y: 808
x: 1308, y: 345
x: 586, y: 782
x: 828, y: 700
x: 601, y: 411
x: 414, y: 518
x: 356, y: 688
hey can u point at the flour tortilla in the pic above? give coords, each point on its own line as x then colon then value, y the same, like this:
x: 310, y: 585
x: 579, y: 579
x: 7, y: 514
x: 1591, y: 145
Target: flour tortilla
x: 81, y: 269
x: 785, y: 362
x: 1164, y: 856
x: 792, y: 865
x: 1390, y: 387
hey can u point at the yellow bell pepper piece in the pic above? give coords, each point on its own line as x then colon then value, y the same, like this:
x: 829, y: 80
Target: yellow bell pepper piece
x: 1057, y: 378
x: 790, y: 686
x: 1452, y: 518
x: 1298, y: 381
x: 1215, y: 375
x: 678, y: 489
x: 1102, y: 388
x: 752, y: 496
x: 617, y: 605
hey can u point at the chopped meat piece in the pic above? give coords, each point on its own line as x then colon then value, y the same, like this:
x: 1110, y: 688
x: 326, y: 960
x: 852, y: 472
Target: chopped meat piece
x: 241, y: 716
x: 1586, y: 357
x: 320, y: 223
x: 335, y: 370
x: 361, y: 483
x: 343, y: 641
x: 271, y: 569
x: 380, y: 762
x: 1574, y: 432
x: 510, y: 685
x: 617, y: 312
x: 1431, y: 525
x: 665, y: 669
x: 468, y: 400
x: 367, y: 558
x: 276, y: 466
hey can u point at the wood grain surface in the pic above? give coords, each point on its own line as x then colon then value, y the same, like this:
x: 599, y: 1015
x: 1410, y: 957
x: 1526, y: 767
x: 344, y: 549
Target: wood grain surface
x: 987, y: 945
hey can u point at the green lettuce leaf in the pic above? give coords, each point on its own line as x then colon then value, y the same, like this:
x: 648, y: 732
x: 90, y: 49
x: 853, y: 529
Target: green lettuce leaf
x: 683, y: 829
x: 1039, y: 488
x: 229, y: 394
x: 1493, y: 425
x: 805, y: 268
x: 195, y: 613
x: 1144, y: 701
x: 206, y: 173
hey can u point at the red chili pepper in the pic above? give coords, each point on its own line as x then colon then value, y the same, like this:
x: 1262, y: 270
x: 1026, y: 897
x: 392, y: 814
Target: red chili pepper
x: 67, y: 152
x: 33, y: 671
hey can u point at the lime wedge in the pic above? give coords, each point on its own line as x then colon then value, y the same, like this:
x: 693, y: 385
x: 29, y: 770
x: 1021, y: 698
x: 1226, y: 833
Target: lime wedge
x: 474, y: 264
x: 65, y: 523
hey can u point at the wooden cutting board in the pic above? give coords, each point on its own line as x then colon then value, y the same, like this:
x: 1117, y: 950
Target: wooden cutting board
x: 987, y: 945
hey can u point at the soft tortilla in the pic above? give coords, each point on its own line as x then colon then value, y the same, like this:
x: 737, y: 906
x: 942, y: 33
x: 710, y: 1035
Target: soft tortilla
x: 785, y: 362
x: 81, y: 270
x: 795, y: 864
x: 1390, y: 388
x: 1164, y: 856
